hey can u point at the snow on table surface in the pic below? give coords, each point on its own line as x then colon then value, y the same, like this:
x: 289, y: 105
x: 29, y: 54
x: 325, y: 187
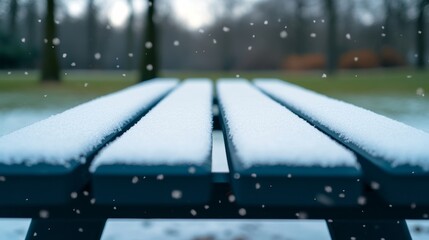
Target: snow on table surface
x: 177, y: 131
x: 66, y: 137
x: 265, y: 133
x: 379, y: 136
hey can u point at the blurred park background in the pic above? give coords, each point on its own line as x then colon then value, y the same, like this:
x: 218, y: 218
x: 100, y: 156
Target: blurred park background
x: 226, y: 35
x: 56, y: 54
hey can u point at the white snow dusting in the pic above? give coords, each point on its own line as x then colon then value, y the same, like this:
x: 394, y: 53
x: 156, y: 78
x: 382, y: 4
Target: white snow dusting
x: 380, y: 136
x: 67, y: 136
x: 177, y: 131
x: 266, y: 133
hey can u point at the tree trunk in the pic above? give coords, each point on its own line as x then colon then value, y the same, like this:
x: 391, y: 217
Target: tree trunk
x: 149, y: 63
x: 331, y: 50
x: 130, y: 36
x: 421, y: 44
x: 50, y: 66
x: 31, y: 32
x: 300, y: 27
x: 12, y: 18
x: 387, y: 38
x: 91, y: 31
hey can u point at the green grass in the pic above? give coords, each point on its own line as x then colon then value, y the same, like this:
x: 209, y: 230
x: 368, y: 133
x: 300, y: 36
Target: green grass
x: 389, y: 81
x: 89, y: 84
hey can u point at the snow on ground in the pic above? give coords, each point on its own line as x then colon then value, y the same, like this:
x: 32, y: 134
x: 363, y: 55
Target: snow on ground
x: 382, y: 138
x: 219, y: 162
x: 12, y: 120
x: 215, y: 230
x: 176, y: 131
x: 264, y: 132
x: 81, y: 128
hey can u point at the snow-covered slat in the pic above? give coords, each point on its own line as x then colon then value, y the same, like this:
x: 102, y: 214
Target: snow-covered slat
x: 379, y: 136
x: 265, y: 133
x: 267, y: 140
x: 390, y: 146
x: 171, y: 144
x: 70, y: 135
x: 53, y: 155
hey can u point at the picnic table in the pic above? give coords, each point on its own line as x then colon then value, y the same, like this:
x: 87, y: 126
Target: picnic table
x: 146, y: 152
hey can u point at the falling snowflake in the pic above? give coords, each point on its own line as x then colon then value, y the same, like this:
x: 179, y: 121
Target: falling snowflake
x: 176, y: 194
x: 266, y: 22
x: 420, y: 92
x: 283, y: 34
x: 135, y: 180
x: 43, y: 214
x: 148, y: 45
x: 176, y: 43
x: 242, y: 212
x: 348, y: 36
x: 226, y: 29
x: 56, y: 41
x: 97, y: 56
x: 328, y: 189
x: 313, y: 35
x: 73, y: 195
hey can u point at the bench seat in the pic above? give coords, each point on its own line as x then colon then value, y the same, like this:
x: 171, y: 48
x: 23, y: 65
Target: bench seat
x: 276, y: 158
x: 166, y: 157
x: 146, y: 152
x: 394, y: 156
x: 47, y: 162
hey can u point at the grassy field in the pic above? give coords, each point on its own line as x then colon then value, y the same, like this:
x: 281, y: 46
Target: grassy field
x: 84, y: 85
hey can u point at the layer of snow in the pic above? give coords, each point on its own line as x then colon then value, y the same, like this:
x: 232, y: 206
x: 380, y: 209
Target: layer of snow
x: 67, y: 136
x: 177, y: 131
x: 215, y: 229
x: 381, y: 137
x: 219, y: 159
x: 264, y: 132
x: 120, y: 229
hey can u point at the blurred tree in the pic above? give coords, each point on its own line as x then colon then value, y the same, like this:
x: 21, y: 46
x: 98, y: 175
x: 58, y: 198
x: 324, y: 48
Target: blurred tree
x: 91, y: 31
x: 388, y: 24
x: 50, y: 65
x: 300, y: 27
x: 227, y: 56
x: 421, y: 41
x: 130, y: 35
x: 331, y: 50
x: 12, y: 18
x: 149, y: 64
x: 31, y: 19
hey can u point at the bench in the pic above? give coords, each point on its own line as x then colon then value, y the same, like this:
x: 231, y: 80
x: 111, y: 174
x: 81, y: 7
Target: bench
x: 145, y: 152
